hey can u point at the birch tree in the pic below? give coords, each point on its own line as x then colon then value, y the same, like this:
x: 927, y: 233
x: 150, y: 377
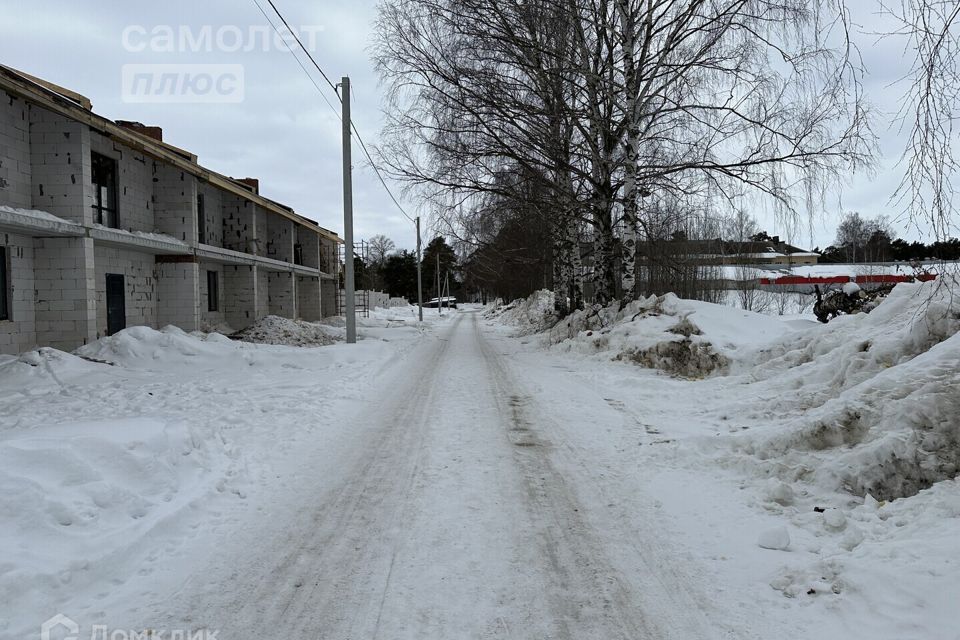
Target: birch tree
x: 604, y: 101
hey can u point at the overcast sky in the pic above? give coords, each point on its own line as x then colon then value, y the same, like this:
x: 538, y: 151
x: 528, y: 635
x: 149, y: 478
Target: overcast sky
x: 284, y: 134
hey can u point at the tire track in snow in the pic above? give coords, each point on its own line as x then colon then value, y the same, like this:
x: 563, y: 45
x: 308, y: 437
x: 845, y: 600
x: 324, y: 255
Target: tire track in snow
x: 442, y: 528
x: 326, y: 572
x: 591, y: 595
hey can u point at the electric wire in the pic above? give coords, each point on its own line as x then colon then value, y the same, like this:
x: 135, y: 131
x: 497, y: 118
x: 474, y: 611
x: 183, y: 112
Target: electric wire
x: 295, y: 57
x: 353, y: 124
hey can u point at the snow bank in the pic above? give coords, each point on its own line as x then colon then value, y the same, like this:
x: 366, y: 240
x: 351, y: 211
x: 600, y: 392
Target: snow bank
x: 529, y: 315
x: 77, y: 494
x: 817, y: 482
x: 876, y: 396
x: 685, y: 338
x: 284, y: 331
x: 141, y: 346
x: 116, y: 458
x: 87, y: 476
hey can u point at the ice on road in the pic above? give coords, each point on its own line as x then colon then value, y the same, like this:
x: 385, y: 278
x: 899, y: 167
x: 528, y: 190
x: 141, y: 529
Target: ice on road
x: 457, y: 510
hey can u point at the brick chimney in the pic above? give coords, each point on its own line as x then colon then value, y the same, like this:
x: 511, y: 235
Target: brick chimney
x: 151, y: 132
x: 253, y: 183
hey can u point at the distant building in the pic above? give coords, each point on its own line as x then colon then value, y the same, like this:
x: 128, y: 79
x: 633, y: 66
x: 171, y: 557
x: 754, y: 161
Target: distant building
x: 723, y: 252
x: 103, y: 226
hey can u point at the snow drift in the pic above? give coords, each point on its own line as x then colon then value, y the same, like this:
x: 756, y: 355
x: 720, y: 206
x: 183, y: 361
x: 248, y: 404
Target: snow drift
x: 685, y: 338
x: 85, y: 481
x: 873, y: 399
x: 529, y: 315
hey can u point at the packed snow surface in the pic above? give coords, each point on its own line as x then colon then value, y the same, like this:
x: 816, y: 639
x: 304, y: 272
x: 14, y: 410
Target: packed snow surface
x: 117, y: 458
x: 818, y: 466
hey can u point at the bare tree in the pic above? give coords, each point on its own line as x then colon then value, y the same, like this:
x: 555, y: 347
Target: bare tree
x: 863, y: 239
x: 739, y: 229
x: 380, y: 246
x: 606, y: 101
x: 927, y: 191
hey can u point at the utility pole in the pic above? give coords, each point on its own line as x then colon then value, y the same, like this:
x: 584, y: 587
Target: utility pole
x: 350, y: 311
x: 419, y: 273
x: 439, y: 309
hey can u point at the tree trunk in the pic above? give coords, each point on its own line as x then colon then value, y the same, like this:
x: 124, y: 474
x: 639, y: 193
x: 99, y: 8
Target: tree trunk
x: 628, y: 254
x: 576, y: 268
x: 561, y: 269
x: 604, y: 285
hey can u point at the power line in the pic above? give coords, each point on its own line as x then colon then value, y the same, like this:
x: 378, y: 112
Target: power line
x: 353, y: 124
x: 376, y: 170
x: 289, y: 30
x: 295, y: 57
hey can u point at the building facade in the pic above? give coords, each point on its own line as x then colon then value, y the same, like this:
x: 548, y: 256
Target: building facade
x: 105, y: 226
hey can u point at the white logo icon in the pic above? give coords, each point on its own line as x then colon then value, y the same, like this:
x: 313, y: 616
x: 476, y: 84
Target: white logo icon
x: 59, y: 620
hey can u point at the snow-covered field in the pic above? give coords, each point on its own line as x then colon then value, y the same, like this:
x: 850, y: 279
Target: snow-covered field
x: 812, y: 473
x: 119, y: 462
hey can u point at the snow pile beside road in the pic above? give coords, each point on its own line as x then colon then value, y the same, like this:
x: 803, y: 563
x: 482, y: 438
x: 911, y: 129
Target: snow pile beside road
x: 873, y: 399
x: 284, y: 331
x: 89, y: 480
x: 118, y: 458
x: 685, y: 338
x: 530, y: 315
x: 78, y: 494
x: 846, y: 435
x: 144, y: 346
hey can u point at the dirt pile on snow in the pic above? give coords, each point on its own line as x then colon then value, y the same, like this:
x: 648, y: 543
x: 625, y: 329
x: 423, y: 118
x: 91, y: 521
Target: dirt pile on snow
x: 284, y: 331
x: 529, y: 315
x: 873, y: 399
x: 684, y: 338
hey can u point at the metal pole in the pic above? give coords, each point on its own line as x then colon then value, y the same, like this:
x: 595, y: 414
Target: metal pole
x: 350, y: 311
x: 419, y: 273
x: 439, y: 309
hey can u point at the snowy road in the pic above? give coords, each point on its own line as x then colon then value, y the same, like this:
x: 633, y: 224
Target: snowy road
x: 455, y: 508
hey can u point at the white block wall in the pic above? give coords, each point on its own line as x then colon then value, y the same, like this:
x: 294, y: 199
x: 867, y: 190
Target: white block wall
x: 213, y: 213
x: 328, y: 297
x: 239, y: 295
x: 239, y: 228
x: 261, y: 231
x: 283, y: 294
x: 175, y: 202
x: 178, y: 295
x: 262, y: 300
x: 328, y: 257
x: 19, y: 333
x: 60, y: 166
x: 308, y: 298
x: 281, y: 237
x: 64, y: 283
x: 309, y: 246
x: 15, y: 173
x: 141, y: 286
